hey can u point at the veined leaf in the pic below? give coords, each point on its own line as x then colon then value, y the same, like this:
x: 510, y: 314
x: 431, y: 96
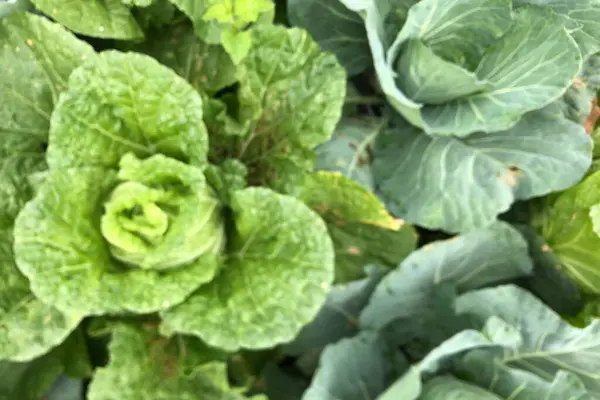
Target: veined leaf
x: 336, y: 29
x: 338, y: 318
x: 40, y: 55
x: 363, y: 232
x: 163, y: 114
x: 109, y: 19
x: 567, y: 224
x: 277, y: 277
x: 459, y: 185
x: 206, y: 66
x: 466, y: 262
x: 145, y: 365
x: 357, y: 368
x: 546, y: 344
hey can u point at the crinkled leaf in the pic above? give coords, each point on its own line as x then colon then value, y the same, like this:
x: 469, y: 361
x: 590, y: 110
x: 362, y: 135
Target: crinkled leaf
x: 126, y: 102
x: 39, y: 57
x: 566, y: 225
x: 60, y: 248
x: 29, y: 327
x: 144, y: 364
x: 38, y: 72
x: 465, y: 262
x: 336, y: 29
x: 290, y: 100
x: 279, y: 271
x: 356, y: 368
x: 547, y: 344
x: 147, y: 216
x: 227, y: 178
x: 109, y: 19
x: 206, y: 66
x: 338, y: 318
x: 459, y: 185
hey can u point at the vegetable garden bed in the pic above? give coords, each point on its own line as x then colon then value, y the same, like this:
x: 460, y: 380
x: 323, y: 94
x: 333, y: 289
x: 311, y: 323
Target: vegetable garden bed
x: 302, y: 199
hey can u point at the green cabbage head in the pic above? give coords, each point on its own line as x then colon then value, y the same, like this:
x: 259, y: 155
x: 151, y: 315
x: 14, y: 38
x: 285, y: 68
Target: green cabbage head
x: 124, y: 219
x: 162, y: 214
x: 456, y: 67
x: 131, y: 218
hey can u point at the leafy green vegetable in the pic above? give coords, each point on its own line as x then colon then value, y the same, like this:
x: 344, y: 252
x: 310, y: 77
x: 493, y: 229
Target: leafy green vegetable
x: 31, y: 87
x: 289, y: 101
x: 566, y: 222
x: 279, y: 271
x: 348, y: 40
x: 58, y: 243
x: 363, y: 380
x: 225, y: 21
x: 200, y: 202
x: 450, y: 73
x: 206, y: 66
x: 96, y: 18
x: 163, y: 114
x: 362, y: 229
x: 545, y: 343
x: 479, y: 177
x: 180, y: 367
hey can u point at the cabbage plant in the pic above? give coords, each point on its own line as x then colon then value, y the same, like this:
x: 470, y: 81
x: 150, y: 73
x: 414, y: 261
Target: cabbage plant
x: 166, y: 195
x: 465, y: 66
x: 125, y: 220
x: 484, y: 100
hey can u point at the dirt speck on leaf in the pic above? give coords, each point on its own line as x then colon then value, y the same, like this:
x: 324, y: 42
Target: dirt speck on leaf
x: 511, y: 175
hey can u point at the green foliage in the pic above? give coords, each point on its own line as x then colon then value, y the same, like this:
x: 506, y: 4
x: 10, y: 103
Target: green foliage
x: 388, y: 199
